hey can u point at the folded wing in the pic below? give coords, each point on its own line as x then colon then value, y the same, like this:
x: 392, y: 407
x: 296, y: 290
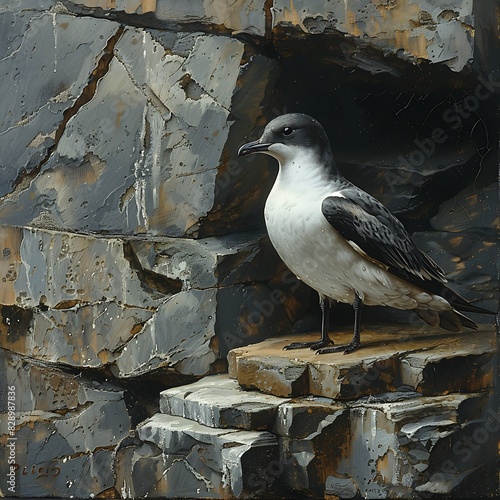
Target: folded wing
x: 379, y: 236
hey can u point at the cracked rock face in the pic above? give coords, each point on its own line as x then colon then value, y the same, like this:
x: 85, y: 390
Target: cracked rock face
x: 246, y: 16
x: 410, y: 444
x: 66, y: 430
x: 133, y: 256
x: 137, y: 306
x: 198, y: 460
x: 413, y: 30
x: 394, y: 444
x: 58, y: 270
x: 152, y: 121
x: 46, y: 72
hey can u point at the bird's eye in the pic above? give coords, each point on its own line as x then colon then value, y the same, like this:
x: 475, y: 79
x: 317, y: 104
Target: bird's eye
x: 287, y: 131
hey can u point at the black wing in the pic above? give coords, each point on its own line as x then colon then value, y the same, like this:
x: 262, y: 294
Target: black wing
x: 363, y: 220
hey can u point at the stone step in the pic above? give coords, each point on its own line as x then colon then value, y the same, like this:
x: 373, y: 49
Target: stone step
x: 384, y: 445
x: 421, y: 446
x: 218, y: 401
x: 200, y: 461
x: 390, y: 429
x: 431, y: 361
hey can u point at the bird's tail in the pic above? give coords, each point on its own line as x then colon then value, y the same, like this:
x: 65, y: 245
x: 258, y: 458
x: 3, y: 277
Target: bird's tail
x: 451, y: 320
x: 459, y: 303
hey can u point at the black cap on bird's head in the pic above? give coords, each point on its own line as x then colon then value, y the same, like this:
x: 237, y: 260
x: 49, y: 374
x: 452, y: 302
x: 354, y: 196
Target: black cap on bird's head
x: 283, y: 135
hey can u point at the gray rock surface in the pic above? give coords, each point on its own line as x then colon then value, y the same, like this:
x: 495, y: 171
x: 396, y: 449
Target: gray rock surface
x: 90, y: 336
x: 140, y: 305
x: 58, y: 270
x: 133, y: 257
x: 178, y: 337
x: 247, y: 16
x: 218, y: 401
x: 63, y: 432
x: 416, y: 30
x: 44, y: 75
x: 411, y: 442
x: 154, y: 124
x: 312, y: 428
x: 203, y: 461
x: 390, y: 445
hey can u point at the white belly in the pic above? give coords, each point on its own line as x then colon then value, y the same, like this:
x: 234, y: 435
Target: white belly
x: 321, y: 258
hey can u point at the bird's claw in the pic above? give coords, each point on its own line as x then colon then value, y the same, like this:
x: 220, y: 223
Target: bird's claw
x: 347, y: 348
x: 321, y: 344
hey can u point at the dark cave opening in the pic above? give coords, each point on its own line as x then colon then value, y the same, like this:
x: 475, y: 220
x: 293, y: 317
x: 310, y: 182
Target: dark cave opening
x: 412, y: 135
x: 412, y: 140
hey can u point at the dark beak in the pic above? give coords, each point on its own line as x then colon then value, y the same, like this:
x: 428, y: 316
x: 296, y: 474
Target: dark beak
x: 253, y: 147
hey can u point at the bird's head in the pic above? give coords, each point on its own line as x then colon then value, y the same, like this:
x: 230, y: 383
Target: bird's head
x: 288, y: 136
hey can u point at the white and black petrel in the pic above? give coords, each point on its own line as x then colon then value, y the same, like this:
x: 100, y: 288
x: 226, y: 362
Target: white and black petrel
x: 343, y: 242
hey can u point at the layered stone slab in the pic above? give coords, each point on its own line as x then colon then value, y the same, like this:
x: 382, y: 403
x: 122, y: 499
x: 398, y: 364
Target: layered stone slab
x: 136, y: 305
x: 218, y: 401
x: 384, y: 445
x: 423, y: 444
x: 57, y: 270
x: 304, y: 428
x: 201, y: 461
x: 428, y: 360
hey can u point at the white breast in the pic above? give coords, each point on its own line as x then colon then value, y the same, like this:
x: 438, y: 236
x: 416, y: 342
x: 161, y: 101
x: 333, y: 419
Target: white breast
x: 307, y: 244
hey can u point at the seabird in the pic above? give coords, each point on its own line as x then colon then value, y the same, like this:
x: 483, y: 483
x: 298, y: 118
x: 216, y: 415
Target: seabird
x: 341, y: 241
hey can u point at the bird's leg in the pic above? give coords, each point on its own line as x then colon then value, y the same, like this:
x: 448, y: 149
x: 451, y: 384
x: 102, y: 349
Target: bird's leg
x: 325, y: 326
x: 356, y: 339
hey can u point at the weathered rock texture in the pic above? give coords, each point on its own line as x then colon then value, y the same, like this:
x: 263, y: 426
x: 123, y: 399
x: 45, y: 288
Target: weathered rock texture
x: 418, y: 358
x: 136, y: 306
x: 66, y: 429
x: 395, y: 444
x: 137, y: 128
x: 133, y: 255
x: 413, y: 30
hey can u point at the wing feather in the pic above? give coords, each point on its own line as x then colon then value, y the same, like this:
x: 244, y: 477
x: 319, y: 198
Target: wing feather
x: 362, y: 219
x: 368, y: 225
